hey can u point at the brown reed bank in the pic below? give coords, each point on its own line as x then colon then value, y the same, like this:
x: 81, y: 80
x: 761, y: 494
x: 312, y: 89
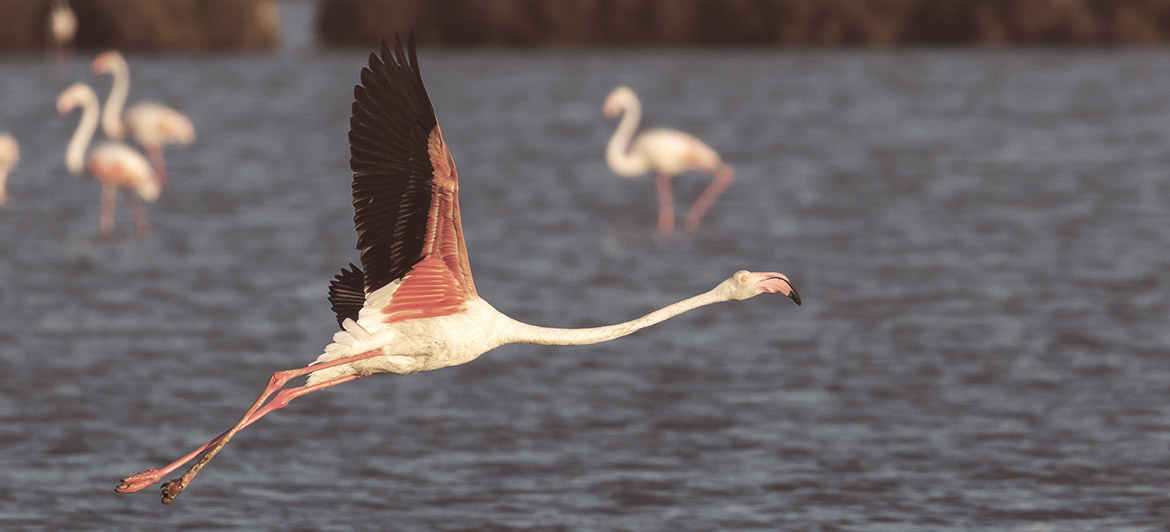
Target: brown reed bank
x: 160, y: 25
x: 861, y: 23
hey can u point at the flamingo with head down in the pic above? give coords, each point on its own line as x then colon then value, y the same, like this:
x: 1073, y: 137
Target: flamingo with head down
x: 113, y: 164
x: 666, y: 152
x: 412, y: 306
x: 152, y: 124
x: 9, y: 156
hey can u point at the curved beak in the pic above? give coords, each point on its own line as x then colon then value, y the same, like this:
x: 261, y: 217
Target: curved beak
x: 792, y: 293
x: 794, y: 296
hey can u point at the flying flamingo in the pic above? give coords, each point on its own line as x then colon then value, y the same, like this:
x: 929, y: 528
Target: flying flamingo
x: 9, y: 156
x: 412, y: 306
x: 62, y: 28
x: 666, y: 152
x: 152, y: 124
x: 113, y: 164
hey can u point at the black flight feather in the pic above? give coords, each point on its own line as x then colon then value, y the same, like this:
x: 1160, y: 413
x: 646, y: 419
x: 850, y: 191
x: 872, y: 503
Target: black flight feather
x: 392, y: 174
x: 346, y: 295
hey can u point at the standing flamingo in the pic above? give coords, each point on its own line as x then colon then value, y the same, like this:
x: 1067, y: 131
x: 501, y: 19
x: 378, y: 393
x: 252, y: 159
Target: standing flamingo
x: 62, y: 28
x: 113, y: 164
x: 412, y: 306
x: 152, y: 124
x: 666, y: 152
x: 9, y: 156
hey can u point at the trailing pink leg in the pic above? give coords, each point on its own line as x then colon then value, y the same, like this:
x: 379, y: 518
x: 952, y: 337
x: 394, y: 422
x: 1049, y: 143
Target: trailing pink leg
x: 146, y: 478
x: 665, y: 204
x: 723, y: 178
x: 281, y: 400
x: 278, y: 380
x: 172, y: 489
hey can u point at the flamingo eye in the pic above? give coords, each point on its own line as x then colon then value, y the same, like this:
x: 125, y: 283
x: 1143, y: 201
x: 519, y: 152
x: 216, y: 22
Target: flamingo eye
x: 743, y: 278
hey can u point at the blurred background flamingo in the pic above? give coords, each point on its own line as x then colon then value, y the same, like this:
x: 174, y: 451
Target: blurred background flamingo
x: 152, y: 124
x: 62, y: 29
x: 9, y: 155
x: 666, y: 152
x: 113, y: 164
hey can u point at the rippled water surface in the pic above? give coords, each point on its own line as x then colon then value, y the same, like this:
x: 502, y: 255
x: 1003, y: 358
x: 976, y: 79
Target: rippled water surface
x: 981, y: 239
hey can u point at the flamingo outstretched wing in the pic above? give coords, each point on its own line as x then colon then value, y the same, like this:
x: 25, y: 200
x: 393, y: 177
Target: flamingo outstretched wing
x: 405, y: 197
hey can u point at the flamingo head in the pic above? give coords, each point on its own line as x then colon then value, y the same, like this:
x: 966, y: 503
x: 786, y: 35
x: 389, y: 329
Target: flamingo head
x: 74, y: 96
x: 744, y: 285
x: 104, y: 62
x: 617, y: 101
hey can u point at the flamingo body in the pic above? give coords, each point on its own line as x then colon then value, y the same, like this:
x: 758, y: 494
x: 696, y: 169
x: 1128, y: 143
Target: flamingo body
x: 9, y: 156
x: 425, y: 343
x: 119, y: 165
x: 151, y: 124
x: 154, y: 124
x: 412, y: 305
x: 114, y: 165
x: 673, y: 152
x: 666, y: 153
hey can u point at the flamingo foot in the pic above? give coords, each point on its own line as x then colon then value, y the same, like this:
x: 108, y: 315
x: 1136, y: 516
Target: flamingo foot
x: 172, y: 489
x: 140, y: 481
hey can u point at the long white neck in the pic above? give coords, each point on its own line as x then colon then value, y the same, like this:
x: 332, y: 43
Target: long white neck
x: 112, y: 112
x: 75, y: 152
x: 617, y: 153
x: 533, y: 334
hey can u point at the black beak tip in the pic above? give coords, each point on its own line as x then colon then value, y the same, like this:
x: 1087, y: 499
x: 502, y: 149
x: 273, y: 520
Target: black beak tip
x: 794, y: 296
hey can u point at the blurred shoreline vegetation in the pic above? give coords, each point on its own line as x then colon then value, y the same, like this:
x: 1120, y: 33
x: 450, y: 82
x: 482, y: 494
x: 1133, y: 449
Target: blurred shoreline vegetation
x: 800, y: 23
x: 206, y: 25
x: 154, y: 25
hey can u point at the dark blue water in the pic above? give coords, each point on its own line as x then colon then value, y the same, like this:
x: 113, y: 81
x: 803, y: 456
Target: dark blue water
x: 980, y: 238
